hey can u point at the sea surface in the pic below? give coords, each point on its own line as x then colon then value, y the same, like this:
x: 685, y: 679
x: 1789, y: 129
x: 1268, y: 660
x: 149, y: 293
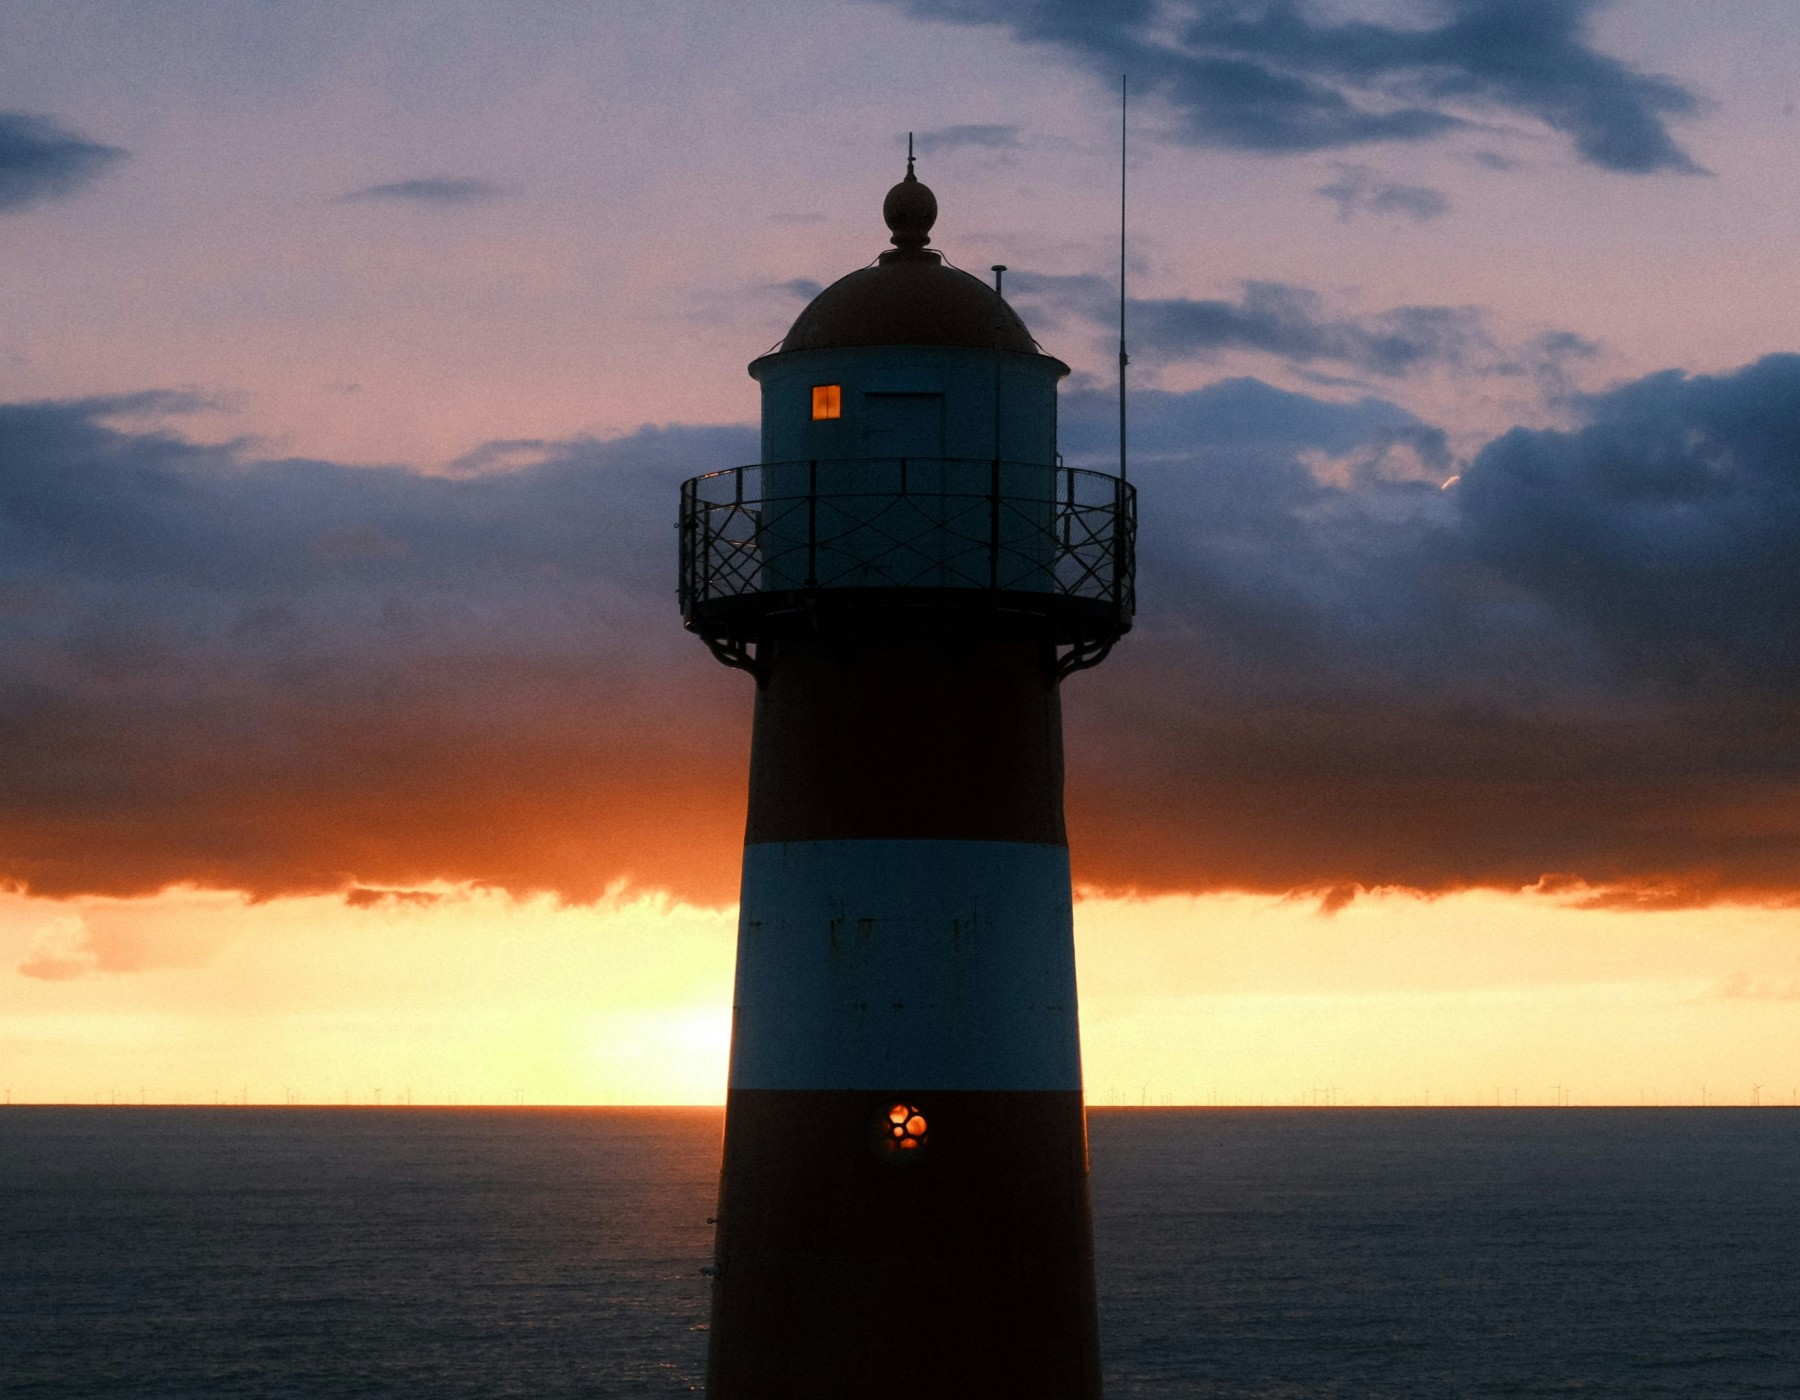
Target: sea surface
x: 1264, y: 1253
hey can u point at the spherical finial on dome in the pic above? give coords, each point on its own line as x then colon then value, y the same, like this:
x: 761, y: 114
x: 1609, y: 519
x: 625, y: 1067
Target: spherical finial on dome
x: 910, y: 208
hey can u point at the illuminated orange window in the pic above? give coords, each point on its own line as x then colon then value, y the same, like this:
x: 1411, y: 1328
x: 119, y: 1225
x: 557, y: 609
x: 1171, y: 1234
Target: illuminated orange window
x: 902, y: 1128
x: 828, y: 401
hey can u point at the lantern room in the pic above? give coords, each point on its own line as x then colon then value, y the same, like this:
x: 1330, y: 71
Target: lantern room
x: 909, y: 357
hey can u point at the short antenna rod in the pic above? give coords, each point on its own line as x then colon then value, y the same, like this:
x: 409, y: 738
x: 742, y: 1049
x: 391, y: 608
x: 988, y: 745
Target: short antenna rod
x: 1124, y: 359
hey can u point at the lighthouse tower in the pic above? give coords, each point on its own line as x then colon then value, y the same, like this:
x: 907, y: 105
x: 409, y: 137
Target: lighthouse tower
x: 909, y: 574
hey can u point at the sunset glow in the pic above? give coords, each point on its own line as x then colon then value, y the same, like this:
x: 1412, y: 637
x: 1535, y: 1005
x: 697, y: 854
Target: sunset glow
x: 477, y: 998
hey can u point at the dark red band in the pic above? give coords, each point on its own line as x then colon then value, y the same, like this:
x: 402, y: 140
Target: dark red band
x: 952, y: 736
x: 850, y: 1265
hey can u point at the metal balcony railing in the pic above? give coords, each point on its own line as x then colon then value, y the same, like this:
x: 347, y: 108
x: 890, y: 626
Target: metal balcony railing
x: 1053, y: 542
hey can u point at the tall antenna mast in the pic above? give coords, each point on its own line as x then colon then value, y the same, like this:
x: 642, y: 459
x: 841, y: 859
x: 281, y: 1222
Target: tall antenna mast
x: 1124, y: 359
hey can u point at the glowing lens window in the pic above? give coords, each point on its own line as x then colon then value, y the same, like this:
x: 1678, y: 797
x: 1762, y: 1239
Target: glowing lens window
x: 906, y: 1128
x: 828, y: 401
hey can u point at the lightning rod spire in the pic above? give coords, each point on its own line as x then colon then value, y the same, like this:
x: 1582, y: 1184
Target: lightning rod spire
x: 1124, y: 359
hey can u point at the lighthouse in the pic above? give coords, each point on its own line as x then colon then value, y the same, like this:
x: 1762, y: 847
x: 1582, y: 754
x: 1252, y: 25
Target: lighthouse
x: 909, y: 574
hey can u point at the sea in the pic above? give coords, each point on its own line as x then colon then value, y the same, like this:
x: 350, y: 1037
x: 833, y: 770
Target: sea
x: 1266, y: 1253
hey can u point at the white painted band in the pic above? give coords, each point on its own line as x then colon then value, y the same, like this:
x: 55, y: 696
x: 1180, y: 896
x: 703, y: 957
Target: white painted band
x: 905, y: 965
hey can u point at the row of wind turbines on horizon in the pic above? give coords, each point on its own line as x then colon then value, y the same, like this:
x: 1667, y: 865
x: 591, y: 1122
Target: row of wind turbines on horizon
x: 1327, y: 1096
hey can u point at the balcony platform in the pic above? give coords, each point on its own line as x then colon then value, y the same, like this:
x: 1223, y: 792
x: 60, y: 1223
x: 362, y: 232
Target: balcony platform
x: 871, y: 541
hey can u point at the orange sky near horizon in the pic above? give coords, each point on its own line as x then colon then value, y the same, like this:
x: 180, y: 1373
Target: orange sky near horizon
x: 195, y: 997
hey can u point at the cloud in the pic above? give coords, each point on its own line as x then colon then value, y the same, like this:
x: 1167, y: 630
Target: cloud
x: 951, y: 138
x: 1284, y: 76
x: 60, y: 951
x: 1576, y: 665
x: 1666, y: 527
x: 1277, y: 318
x: 1244, y: 415
x: 760, y: 302
x: 41, y: 161
x: 1741, y: 986
x: 432, y: 191
x: 369, y: 897
x: 1360, y: 190
x: 73, y: 947
x: 1291, y: 322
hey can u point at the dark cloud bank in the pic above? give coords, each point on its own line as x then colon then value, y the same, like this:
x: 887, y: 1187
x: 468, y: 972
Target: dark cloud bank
x: 289, y: 675
x: 1579, y: 666
x: 1282, y: 76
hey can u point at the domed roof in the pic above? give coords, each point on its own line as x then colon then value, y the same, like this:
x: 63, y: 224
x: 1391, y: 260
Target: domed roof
x: 909, y: 296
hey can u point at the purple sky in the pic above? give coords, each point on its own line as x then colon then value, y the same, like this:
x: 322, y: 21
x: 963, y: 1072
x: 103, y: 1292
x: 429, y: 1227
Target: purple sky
x: 393, y: 232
